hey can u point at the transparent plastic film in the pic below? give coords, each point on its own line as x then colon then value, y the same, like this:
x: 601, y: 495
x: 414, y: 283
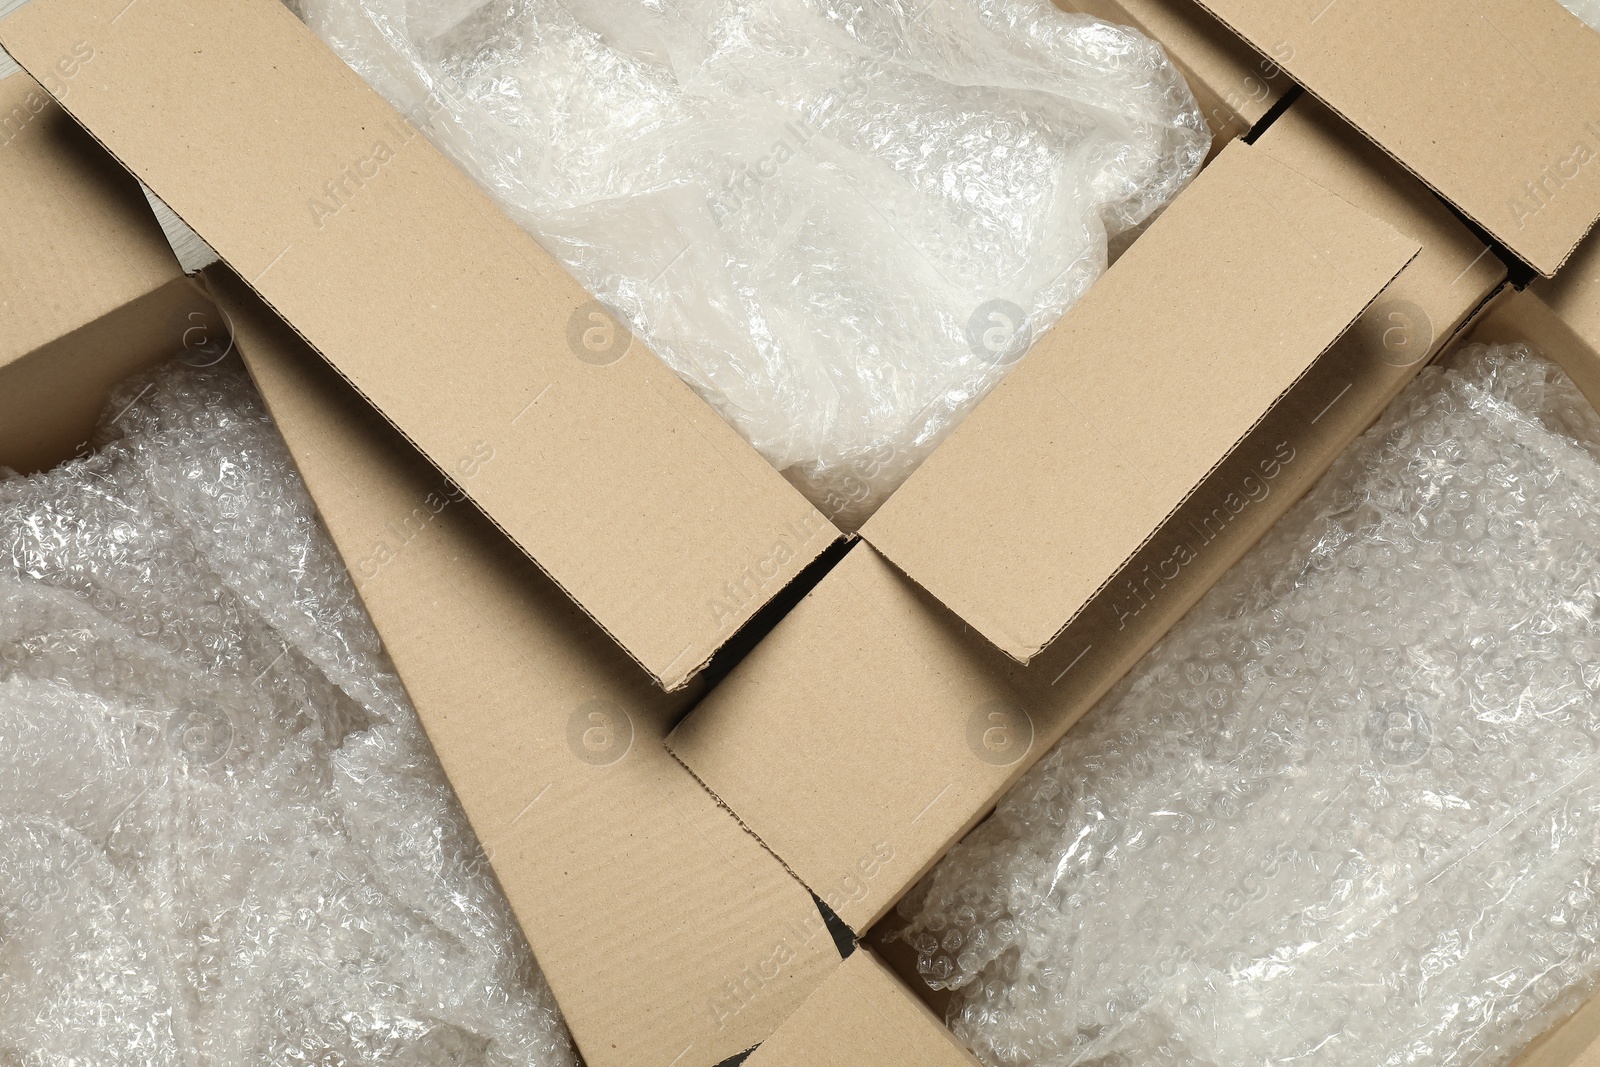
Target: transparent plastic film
x: 1348, y: 810
x: 841, y: 222
x: 1587, y: 10
x: 227, y: 839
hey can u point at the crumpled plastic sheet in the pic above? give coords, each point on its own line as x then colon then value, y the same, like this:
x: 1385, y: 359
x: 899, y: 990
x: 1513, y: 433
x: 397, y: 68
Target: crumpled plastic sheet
x: 226, y: 839
x: 1587, y: 10
x: 840, y: 221
x: 1348, y: 811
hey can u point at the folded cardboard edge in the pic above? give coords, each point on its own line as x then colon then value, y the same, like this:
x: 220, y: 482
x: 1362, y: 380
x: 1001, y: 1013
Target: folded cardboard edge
x: 739, y: 739
x: 862, y: 1010
x: 1284, y: 51
x: 886, y: 530
x: 878, y: 936
x: 36, y: 33
x: 622, y: 858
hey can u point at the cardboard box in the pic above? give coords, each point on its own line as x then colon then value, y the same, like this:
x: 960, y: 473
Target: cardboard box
x: 619, y: 866
x: 620, y: 483
x: 855, y: 1003
x: 874, y: 727
x: 89, y: 290
x: 1495, y: 106
x: 668, y: 934
x: 616, y: 480
x: 659, y: 922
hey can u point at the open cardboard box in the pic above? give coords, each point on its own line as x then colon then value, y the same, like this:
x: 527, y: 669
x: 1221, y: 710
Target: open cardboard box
x: 623, y: 868
x: 873, y: 729
x: 618, y: 863
x: 641, y: 892
x: 613, y: 477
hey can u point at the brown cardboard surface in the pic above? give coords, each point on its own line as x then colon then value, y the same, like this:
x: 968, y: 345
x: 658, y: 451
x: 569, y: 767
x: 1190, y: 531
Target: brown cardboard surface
x: 862, y: 1014
x: 89, y: 291
x: 852, y: 741
x: 872, y: 729
x: 668, y: 934
x: 1575, y: 1043
x: 1122, y: 409
x: 1496, y: 106
x: 52, y: 398
x: 1574, y: 297
x: 620, y: 483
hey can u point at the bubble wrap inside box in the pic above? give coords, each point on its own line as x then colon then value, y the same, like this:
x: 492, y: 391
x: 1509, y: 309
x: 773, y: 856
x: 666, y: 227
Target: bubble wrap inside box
x: 1348, y: 811
x: 1587, y: 10
x: 226, y: 838
x: 840, y: 221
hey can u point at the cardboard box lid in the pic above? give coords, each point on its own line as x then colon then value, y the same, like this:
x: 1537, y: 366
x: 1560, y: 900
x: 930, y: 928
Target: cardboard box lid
x: 1119, y: 412
x: 615, y: 478
x: 668, y: 934
x: 872, y: 729
x: 863, y: 1013
x: 1495, y: 106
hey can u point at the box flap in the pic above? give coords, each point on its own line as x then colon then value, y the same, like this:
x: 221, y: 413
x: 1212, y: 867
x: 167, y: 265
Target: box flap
x: 1123, y: 408
x: 1496, y: 106
x: 608, y: 471
x: 872, y: 728
x: 862, y: 737
x: 863, y: 1013
x: 668, y: 934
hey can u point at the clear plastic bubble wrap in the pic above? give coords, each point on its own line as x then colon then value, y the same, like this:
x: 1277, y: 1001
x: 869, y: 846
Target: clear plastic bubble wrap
x: 840, y: 221
x: 226, y: 838
x: 1587, y: 10
x: 1348, y: 811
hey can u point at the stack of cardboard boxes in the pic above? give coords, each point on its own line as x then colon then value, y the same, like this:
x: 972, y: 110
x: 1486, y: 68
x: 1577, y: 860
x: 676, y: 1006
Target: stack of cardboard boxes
x: 707, y: 741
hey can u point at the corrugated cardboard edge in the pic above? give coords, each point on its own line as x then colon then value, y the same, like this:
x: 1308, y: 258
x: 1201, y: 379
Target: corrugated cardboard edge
x: 1547, y: 269
x: 673, y: 674
x: 862, y: 1014
x: 1024, y: 650
x: 727, y: 899
x: 738, y: 739
x: 194, y: 255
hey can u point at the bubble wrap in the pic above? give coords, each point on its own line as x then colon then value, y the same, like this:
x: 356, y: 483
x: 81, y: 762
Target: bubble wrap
x: 226, y: 838
x: 1348, y: 811
x: 840, y: 221
x: 1587, y: 10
